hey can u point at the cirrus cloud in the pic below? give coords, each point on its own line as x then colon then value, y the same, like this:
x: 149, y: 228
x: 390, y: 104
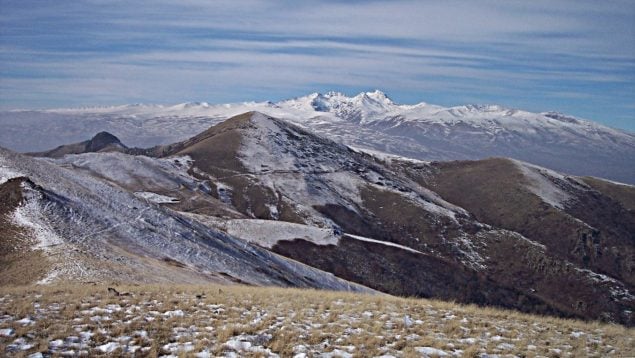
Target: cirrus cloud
x: 572, y: 56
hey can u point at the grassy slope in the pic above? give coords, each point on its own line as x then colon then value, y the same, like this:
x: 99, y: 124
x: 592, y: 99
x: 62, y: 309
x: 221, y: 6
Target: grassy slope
x: 496, y: 192
x: 281, y: 320
x: 625, y: 194
x: 19, y: 264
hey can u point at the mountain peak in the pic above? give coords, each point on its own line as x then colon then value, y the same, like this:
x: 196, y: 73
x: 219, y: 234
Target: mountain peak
x: 102, y: 140
x: 376, y: 95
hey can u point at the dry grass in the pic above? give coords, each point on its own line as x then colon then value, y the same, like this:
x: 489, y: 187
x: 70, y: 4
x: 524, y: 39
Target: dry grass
x: 624, y: 194
x: 155, y: 320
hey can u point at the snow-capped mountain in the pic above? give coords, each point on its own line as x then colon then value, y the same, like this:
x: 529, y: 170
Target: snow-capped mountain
x: 369, y: 121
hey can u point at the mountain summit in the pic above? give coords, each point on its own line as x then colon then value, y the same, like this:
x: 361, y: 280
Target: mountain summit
x: 101, y: 142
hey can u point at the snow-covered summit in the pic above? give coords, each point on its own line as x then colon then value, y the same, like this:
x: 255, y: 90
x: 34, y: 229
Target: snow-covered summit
x: 359, y: 108
x: 366, y: 108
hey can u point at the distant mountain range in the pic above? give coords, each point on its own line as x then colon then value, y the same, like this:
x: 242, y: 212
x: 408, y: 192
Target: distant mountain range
x: 260, y: 200
x: 369, y: 121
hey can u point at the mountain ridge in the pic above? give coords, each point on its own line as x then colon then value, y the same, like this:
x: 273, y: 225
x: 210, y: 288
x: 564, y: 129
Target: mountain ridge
x: 376, y: 98
x: 369, y: 120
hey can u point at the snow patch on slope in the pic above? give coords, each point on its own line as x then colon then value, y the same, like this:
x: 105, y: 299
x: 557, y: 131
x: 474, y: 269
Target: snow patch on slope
x: 141, y: 171
x: 541, y: 183
x: 267, y: 233
x: 6, y: 172
x: 156, y: 198
x: 385, y: 243
x: 30, y: 216
x: 259, y: 153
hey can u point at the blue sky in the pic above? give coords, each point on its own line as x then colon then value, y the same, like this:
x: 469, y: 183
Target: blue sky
x: 576, y: 57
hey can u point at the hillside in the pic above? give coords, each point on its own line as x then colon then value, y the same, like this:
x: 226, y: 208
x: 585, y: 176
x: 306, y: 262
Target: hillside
x: 521, y: 237
x: 76, y: 226
x: 229, y: 321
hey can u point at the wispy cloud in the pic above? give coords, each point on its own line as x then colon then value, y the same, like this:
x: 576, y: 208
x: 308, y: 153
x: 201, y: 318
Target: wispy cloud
x: 576, y: 57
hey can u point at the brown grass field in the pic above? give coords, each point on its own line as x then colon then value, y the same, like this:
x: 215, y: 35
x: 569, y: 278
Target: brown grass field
x: 205, y: 321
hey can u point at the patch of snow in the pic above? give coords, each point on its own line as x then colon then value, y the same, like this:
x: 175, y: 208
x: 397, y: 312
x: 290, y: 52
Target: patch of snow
x: 429, y: 351
x: 250, y: 344
x: 387, y: 157
x: 108, y: 347
x: 505, y: 346
x: 29, y: 215
x: 386, y: 243
x: 577, y: 334
x: 336, y: 353
x: 267, y: 233
x: 179, y: 347
x: 25, y: 321
x: 541, y: 184
x: 175, y: 313
x: 256, y: 145
x: 596, y: 277
x: 156, y: 198
x: 238, y: 344
x: 407, y: 321
x: 19, y: 344
x: 7, y: 332
x: 7, y: 173
x: 56, y: 344
x: 135, y: 172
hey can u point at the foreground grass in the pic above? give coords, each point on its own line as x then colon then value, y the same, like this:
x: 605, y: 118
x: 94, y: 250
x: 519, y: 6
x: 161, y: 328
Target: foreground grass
x: 204, y: 321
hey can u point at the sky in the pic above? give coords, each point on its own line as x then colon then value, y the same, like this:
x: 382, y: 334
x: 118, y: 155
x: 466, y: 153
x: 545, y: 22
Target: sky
x: 574, y: 56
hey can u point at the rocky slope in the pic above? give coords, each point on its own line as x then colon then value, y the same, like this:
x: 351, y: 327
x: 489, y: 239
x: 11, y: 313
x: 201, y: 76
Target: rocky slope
x: 85, y: 228
x: 493, y: 232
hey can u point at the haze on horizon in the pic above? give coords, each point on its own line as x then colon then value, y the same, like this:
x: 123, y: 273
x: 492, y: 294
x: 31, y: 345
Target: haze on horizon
x: 576, y: 57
